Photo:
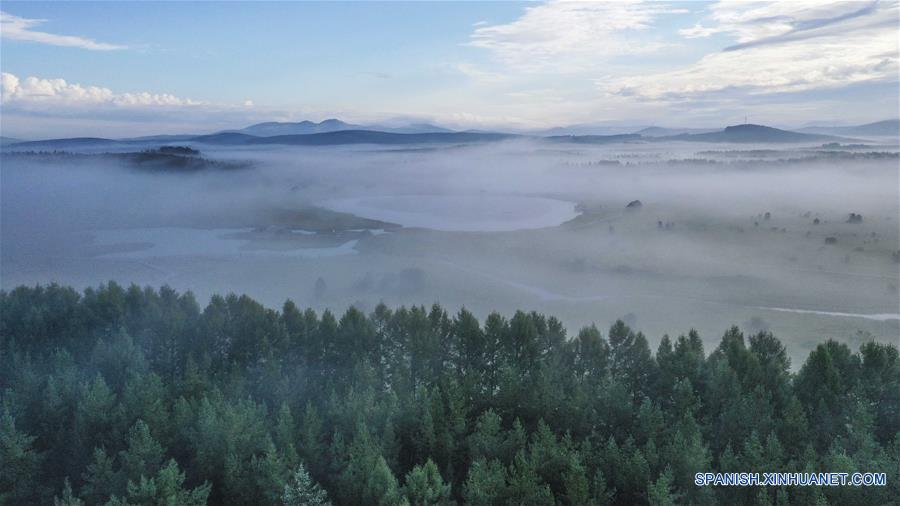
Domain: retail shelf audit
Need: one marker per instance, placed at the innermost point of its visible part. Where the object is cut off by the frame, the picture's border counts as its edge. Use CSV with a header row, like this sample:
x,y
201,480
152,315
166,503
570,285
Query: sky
x,y
118,69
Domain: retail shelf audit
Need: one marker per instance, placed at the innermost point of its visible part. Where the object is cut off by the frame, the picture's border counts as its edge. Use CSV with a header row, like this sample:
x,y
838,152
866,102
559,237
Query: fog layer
x,y
761,237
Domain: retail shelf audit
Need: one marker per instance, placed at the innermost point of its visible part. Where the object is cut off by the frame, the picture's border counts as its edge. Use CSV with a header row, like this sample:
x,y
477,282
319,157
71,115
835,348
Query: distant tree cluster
x,y
163,159
138,396
177,150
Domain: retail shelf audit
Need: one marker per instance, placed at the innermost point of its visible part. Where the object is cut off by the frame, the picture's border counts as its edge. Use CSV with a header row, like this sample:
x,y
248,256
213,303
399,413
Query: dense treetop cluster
x,y
140,396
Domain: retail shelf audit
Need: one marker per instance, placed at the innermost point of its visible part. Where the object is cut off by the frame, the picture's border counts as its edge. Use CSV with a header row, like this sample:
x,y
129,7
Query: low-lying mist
x,y
670,236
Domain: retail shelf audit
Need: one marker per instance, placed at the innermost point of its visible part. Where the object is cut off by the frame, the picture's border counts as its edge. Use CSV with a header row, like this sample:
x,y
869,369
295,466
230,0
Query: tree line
x,y
137,396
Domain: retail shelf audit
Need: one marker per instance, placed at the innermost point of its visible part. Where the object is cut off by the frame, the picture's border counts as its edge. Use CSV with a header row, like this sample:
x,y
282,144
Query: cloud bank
x,y
565,35
34,92
782,47
17,28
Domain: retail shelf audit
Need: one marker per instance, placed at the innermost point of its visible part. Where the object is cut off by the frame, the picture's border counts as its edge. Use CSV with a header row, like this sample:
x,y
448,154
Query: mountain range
x,y
754,133
885,128
352,137
276,128
337,132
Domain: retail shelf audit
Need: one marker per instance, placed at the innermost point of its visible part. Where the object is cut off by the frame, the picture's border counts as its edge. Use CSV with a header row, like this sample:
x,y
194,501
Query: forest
x,y
140,396
172,159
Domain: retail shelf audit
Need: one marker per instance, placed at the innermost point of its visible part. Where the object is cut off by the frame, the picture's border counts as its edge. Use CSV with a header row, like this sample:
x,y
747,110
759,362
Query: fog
x,y
747,235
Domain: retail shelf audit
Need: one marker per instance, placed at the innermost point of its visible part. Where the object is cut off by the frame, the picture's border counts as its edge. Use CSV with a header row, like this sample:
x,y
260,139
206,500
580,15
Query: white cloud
x,y
755,21
39,108
606,60
571,35
539,69
781,47
699,31
16,28
37,93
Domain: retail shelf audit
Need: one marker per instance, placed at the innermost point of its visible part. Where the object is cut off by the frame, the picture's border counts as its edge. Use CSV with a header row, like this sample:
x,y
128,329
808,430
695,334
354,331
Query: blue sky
x,y
119,68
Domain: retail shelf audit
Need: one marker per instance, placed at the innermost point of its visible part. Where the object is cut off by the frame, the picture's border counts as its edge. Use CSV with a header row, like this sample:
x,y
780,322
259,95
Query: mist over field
x,y
754,235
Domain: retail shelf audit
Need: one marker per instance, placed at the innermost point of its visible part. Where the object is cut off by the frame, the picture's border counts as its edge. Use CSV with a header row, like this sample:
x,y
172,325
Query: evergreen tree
x,y
660,492
68,497
101,479
301,490
486,483
166,488
19,464
423,486
144,454
102,393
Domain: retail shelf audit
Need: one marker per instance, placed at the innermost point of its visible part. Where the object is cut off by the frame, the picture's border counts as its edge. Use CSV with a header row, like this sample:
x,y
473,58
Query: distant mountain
x,y
4,141
413,135
415,128
71,143
341,137
226,138
594,139
161,138
587,129
754,133
656,131
274,128
352,137
884,128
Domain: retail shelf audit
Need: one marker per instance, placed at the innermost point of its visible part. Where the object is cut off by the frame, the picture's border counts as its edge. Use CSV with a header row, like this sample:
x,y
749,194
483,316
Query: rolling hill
x,y
884,128
748,133
272,128
595,139
275,128
352,137
656,131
